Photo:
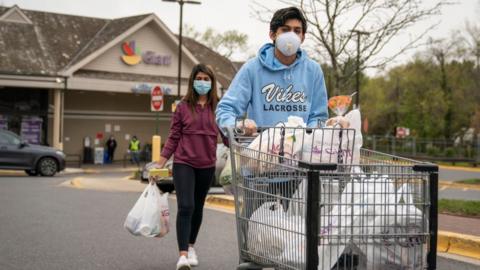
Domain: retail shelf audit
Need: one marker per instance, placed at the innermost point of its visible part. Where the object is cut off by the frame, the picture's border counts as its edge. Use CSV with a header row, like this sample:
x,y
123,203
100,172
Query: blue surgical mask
x,y
202,87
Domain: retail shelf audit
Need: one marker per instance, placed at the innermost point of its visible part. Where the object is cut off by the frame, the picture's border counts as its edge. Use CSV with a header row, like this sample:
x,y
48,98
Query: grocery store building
x,y
65,78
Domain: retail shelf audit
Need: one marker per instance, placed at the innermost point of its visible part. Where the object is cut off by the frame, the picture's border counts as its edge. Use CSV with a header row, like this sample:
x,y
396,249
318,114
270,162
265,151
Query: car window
x,y
6,138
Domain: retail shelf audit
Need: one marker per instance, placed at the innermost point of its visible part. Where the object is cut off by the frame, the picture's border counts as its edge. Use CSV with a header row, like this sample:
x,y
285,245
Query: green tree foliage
x,y
436,95
226,43
412,95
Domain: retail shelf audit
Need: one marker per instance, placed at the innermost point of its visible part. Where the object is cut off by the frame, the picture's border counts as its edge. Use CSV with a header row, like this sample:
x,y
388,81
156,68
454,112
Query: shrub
x,y
450,152
433,151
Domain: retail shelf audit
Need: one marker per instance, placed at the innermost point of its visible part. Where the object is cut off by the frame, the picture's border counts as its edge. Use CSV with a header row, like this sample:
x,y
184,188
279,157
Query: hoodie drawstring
x,y
287,74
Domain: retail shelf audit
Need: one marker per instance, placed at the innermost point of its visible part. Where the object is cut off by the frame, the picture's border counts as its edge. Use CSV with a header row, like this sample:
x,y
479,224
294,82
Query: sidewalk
x,y
459,235
85,169
458,224
100,168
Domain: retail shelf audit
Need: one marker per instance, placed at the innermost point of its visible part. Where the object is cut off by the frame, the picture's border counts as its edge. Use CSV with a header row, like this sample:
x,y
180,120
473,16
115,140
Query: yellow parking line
x,y
451,184
76,182
128,177
456,168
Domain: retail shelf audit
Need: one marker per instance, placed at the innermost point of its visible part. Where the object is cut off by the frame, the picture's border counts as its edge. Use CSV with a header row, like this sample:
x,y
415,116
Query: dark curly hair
x,y
282,15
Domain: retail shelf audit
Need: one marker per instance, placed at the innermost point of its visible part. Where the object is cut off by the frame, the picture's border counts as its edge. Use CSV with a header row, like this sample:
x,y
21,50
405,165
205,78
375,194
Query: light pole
x,y
357,72
181,2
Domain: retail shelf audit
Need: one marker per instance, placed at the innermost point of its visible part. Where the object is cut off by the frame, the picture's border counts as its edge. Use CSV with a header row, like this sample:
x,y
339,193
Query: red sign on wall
x,y
156,99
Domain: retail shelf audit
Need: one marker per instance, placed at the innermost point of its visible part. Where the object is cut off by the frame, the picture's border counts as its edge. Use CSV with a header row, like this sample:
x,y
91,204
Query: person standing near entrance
x,y
111,145
134,148
193,142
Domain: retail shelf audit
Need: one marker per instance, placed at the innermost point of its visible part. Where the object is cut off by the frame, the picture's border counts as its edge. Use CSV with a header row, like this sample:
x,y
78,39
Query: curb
x,y
12,173
96,171
460,244
224,202
221,200
122,184
447,242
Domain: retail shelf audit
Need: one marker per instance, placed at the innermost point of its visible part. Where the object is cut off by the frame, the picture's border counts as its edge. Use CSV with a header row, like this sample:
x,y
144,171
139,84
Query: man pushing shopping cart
x,y
306,195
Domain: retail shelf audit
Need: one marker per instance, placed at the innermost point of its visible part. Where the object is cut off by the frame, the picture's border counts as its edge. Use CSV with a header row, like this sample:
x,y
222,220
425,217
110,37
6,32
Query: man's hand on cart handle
x,y
342,121
248,126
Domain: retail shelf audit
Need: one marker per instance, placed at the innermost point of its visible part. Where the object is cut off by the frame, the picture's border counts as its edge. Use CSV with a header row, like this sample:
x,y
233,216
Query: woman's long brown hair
x,y
191,98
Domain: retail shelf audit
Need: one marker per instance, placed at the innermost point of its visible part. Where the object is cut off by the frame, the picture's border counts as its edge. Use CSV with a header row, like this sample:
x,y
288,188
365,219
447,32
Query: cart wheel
x,y
249,266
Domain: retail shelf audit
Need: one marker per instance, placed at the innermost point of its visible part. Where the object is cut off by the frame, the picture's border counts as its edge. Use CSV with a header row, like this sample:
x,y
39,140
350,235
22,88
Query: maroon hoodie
x,y
192,138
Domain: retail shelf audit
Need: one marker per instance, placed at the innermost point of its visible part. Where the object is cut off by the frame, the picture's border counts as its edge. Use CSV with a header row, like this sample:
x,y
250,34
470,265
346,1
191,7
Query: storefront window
x,y
24,112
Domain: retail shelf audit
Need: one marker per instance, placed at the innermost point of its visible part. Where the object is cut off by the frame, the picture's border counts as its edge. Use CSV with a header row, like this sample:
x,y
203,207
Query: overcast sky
x,y
225,15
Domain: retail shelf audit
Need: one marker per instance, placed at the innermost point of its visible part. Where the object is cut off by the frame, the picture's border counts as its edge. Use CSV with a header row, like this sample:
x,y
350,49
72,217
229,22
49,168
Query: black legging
x,y
191,185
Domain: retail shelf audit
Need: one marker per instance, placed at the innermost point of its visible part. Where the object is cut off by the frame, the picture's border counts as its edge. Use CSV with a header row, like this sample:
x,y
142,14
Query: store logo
x,y
131,54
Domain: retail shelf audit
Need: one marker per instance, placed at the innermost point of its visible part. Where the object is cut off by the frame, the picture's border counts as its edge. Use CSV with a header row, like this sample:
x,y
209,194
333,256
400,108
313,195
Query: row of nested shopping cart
x,y
311,198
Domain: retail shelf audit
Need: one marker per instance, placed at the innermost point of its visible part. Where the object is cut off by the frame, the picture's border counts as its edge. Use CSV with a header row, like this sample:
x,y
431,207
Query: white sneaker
x,y
183,264
192,257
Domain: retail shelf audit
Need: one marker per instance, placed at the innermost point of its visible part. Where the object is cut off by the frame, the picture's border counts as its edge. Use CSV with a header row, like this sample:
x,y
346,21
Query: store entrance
x,y
25,112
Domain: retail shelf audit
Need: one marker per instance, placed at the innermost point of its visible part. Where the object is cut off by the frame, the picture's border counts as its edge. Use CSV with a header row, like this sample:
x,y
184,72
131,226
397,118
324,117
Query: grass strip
x,y
473,181
459,207
455,164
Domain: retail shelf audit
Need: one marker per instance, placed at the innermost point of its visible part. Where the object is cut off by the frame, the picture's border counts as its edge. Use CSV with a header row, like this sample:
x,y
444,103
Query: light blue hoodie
x,y
270,92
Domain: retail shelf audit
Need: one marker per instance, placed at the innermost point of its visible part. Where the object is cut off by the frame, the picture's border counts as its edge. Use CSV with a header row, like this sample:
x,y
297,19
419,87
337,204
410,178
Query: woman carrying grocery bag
x,y
192,141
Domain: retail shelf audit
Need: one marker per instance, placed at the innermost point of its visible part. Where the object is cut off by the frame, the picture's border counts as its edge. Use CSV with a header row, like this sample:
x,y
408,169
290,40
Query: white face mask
x,y
288,43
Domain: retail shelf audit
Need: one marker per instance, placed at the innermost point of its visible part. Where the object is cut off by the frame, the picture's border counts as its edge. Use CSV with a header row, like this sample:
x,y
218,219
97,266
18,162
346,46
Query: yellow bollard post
x,y
156,144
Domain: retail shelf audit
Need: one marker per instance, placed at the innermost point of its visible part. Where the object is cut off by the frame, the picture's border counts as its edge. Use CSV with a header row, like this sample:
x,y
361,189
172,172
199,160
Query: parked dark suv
x,y
15,154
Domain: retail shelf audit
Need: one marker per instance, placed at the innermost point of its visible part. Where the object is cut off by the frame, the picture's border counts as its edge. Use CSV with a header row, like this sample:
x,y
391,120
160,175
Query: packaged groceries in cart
x,y
311,198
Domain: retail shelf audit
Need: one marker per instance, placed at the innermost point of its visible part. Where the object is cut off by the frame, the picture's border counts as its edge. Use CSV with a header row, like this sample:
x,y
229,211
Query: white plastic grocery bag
x,y
275,234
269,141
325,145
401,217
150,214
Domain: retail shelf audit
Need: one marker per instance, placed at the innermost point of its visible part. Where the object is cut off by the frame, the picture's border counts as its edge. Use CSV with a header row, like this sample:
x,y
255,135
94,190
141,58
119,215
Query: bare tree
x,y
334,24
442,51
472,40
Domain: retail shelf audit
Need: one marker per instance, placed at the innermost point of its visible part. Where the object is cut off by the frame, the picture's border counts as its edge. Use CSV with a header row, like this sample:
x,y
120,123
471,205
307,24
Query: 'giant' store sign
x,y
133,56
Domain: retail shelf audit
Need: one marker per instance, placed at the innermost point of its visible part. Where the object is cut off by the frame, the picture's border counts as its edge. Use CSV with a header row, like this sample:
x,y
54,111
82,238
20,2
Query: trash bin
x,y
105,157
87,151
87,155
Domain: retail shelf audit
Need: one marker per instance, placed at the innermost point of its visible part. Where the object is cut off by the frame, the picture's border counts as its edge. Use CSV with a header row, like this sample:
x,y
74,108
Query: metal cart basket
x,y
309,198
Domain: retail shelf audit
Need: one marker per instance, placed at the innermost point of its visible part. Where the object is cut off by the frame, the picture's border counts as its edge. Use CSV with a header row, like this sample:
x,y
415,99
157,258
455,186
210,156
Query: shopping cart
x,y
310,199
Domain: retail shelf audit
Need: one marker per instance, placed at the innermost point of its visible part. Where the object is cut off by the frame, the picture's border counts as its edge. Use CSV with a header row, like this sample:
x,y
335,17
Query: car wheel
x,y
31,172
47,166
